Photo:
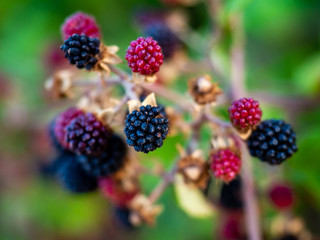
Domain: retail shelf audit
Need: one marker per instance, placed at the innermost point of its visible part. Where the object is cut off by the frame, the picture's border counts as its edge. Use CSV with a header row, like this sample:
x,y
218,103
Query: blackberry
x,y
81,50
281,196
244,113
122,218
273,141
80,23
288,237
60,123
144,56
114,190
230,195
225,164
86,135
145,130
164,36
73,177
110,160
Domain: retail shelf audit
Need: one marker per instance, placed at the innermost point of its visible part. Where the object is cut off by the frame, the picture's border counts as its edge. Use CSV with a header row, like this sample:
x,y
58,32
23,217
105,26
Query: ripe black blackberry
x,y
86,135
230,195
81,50
73,177
110,160
122,218
145,130
164,36
273,141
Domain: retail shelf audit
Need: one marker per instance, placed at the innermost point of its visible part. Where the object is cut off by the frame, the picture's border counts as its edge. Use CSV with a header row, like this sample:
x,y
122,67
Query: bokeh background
x,y
282,69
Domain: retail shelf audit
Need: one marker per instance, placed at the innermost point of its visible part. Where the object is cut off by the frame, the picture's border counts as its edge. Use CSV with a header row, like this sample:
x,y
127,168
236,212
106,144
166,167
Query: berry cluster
x,y
144,56
145,130
164,36
82,24
245,113
225,165
81,50
273,141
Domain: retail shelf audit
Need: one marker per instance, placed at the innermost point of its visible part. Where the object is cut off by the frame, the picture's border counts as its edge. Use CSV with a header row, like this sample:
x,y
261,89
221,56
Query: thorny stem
x,y
238,91
167,179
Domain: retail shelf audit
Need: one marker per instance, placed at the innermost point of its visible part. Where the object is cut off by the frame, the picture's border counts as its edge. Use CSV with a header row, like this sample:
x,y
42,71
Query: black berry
x,y
86,135
273,141
145,130
73,177
110,160
164,36
81,50
122,218
230,195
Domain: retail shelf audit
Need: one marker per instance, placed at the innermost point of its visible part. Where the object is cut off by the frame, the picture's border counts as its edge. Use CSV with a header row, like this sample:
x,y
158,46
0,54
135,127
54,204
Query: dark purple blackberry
x,y
81,50
73,177
86,135
273,141
288,237
110,160
53,139
122,218
145,130
164,36
230,195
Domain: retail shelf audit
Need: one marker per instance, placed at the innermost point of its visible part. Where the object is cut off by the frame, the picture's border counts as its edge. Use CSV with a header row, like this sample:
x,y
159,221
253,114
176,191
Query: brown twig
x,y
238,90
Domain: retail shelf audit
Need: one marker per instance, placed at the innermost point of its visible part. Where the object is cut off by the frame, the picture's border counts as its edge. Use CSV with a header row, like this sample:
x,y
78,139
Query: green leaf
x,y
192,200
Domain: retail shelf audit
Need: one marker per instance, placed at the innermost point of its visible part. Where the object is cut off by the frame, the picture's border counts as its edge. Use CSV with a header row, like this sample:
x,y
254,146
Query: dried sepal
x,y
244,134
194,169
60,84
227,141
136,104
203,90
139,78
108,55
143,210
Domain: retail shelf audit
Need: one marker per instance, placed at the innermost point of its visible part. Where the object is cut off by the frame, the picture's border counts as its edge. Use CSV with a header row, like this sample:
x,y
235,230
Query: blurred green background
x,y
282,61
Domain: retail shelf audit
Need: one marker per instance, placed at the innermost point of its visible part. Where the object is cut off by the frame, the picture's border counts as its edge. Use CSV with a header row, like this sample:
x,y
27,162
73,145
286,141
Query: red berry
x,y
62,121
225,165
245,113
231,229
80,23
115,192
144,56
281,196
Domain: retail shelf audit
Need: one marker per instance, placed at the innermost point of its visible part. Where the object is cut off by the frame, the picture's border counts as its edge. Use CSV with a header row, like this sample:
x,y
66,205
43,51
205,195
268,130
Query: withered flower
x,y
107,56
194,169
203,90
143,210
60,84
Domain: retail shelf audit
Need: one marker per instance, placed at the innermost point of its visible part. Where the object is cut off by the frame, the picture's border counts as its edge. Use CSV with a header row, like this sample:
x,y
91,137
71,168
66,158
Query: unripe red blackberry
x,y
80,23
225,165
273,141
71,175
144,56
231,229
281,196
164,36
145,130
113,191
109,161
244,113
60,123
81,50
86,135
231,195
